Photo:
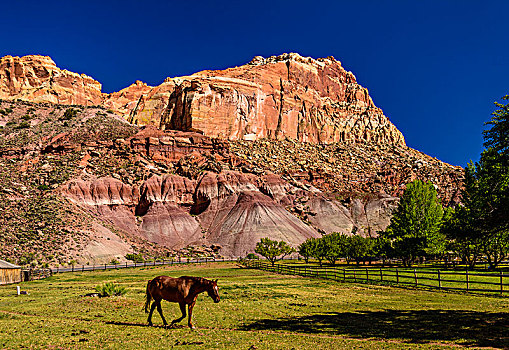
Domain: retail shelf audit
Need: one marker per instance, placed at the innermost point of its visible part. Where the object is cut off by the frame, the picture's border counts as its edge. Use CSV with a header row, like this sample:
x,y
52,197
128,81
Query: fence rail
x,y
444,280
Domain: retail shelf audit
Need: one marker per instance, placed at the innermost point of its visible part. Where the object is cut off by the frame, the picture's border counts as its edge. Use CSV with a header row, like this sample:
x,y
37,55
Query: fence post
x,y
397,276
105,267
415,277
501,282
367,275
72,268
82,268
354,275
467,279
126,264
93,267
344,275
439,281
381,275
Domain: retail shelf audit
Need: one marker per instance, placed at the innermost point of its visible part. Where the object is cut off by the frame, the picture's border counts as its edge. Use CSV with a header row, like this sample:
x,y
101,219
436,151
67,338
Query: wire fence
x,y
468,281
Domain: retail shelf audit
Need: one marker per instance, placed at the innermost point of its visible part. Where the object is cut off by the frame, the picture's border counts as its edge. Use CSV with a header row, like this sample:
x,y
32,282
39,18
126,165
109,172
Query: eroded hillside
x,y
80,183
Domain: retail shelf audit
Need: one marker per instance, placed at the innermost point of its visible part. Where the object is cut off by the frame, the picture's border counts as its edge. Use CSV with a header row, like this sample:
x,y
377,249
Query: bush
x,y
22,125
110,289
135,257
69,114
251,256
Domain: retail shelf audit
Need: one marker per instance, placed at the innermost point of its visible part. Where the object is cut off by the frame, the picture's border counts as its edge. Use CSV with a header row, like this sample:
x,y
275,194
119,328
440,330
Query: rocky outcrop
x,y
38,79
286,96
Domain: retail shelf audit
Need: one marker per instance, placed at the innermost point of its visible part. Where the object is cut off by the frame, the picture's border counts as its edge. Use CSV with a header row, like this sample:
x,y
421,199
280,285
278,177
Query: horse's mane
x,y
200,280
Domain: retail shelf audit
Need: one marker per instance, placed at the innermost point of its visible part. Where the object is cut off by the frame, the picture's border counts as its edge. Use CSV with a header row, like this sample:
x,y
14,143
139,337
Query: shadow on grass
x,y
134,324
457,326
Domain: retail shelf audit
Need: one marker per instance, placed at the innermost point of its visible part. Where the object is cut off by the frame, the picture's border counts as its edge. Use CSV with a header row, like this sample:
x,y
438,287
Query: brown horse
x,y
183,290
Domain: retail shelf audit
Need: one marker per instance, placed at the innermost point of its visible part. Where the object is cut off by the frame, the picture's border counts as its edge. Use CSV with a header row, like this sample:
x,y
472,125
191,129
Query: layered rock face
x,y
286,96
37,78
279,97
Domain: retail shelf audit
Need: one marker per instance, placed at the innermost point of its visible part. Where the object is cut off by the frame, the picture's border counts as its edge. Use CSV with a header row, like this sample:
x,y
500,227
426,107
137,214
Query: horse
x,y
183,290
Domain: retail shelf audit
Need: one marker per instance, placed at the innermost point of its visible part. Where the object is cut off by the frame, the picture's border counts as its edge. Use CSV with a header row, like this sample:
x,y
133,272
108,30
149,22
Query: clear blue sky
x,y
434,67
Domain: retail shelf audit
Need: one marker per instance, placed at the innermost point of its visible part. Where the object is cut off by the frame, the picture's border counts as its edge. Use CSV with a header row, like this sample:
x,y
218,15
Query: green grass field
x,y
258,310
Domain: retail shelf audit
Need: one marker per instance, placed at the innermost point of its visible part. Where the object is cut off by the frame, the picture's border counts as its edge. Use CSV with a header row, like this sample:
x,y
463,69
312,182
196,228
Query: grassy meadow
x,y
258,310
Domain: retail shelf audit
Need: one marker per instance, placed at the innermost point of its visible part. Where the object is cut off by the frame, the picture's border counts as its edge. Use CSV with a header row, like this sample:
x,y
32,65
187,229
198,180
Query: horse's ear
x,y
216,280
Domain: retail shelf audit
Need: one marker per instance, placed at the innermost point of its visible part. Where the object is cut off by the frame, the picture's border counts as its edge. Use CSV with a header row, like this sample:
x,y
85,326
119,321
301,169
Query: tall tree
x,y
493,168
481,223
415,226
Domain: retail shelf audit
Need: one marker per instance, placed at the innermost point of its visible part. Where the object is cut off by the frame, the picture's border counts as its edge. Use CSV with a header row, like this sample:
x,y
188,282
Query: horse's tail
x,y
148,297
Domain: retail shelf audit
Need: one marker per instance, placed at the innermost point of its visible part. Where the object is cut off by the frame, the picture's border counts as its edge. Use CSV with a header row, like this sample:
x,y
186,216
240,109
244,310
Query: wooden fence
x,y
444,280
175,261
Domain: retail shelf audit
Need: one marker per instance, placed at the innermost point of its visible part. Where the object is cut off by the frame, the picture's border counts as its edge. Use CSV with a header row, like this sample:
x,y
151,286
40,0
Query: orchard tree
x,y
273,250
415,226
334,245
307,248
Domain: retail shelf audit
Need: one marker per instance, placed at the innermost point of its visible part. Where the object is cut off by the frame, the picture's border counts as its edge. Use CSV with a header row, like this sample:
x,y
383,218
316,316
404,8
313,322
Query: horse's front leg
x,y
191,313
183,310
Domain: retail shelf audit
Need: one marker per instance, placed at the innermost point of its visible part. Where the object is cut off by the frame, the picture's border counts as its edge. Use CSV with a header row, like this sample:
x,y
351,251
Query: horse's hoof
x,y
191,326
150,324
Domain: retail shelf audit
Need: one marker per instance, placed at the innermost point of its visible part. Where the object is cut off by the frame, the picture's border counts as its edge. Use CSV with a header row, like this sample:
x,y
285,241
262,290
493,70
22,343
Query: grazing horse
x,y
183,290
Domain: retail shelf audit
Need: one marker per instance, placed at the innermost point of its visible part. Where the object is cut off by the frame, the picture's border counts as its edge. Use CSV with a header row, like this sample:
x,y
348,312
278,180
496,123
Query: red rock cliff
x,y
312,100
307,99
37,78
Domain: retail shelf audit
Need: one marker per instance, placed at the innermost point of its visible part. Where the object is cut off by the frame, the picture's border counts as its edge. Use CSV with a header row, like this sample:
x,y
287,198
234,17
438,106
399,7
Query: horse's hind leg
x,y
183,309
150,313
190,324
160,310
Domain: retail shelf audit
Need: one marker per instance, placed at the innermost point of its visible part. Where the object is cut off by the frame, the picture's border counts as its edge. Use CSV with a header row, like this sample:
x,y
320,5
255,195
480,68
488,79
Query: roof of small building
x,y
8,265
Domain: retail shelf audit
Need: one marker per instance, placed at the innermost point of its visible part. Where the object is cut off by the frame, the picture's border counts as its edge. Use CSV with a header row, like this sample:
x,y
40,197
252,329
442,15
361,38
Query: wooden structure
x,y
9,273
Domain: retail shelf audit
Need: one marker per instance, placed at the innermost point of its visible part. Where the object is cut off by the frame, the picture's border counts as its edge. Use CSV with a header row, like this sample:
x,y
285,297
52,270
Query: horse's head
x,y
212,291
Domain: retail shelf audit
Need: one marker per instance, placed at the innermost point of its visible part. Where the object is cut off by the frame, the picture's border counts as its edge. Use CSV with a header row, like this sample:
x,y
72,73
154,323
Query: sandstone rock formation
x,y
37,78
286,96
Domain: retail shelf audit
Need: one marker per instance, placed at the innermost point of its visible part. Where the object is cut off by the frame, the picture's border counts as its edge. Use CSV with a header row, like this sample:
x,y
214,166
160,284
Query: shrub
x,y
22,125
135,257
69,114
43,187
110,289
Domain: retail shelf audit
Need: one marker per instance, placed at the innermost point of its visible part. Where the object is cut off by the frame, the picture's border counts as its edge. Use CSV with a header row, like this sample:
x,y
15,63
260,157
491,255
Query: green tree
x,y
465,238
415,226
334,246
273,250
307,248
358,248
320,251
493,171
481,223
382,247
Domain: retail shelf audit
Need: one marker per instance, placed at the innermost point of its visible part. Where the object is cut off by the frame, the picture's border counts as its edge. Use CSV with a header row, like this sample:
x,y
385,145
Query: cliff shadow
x,y
468,328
